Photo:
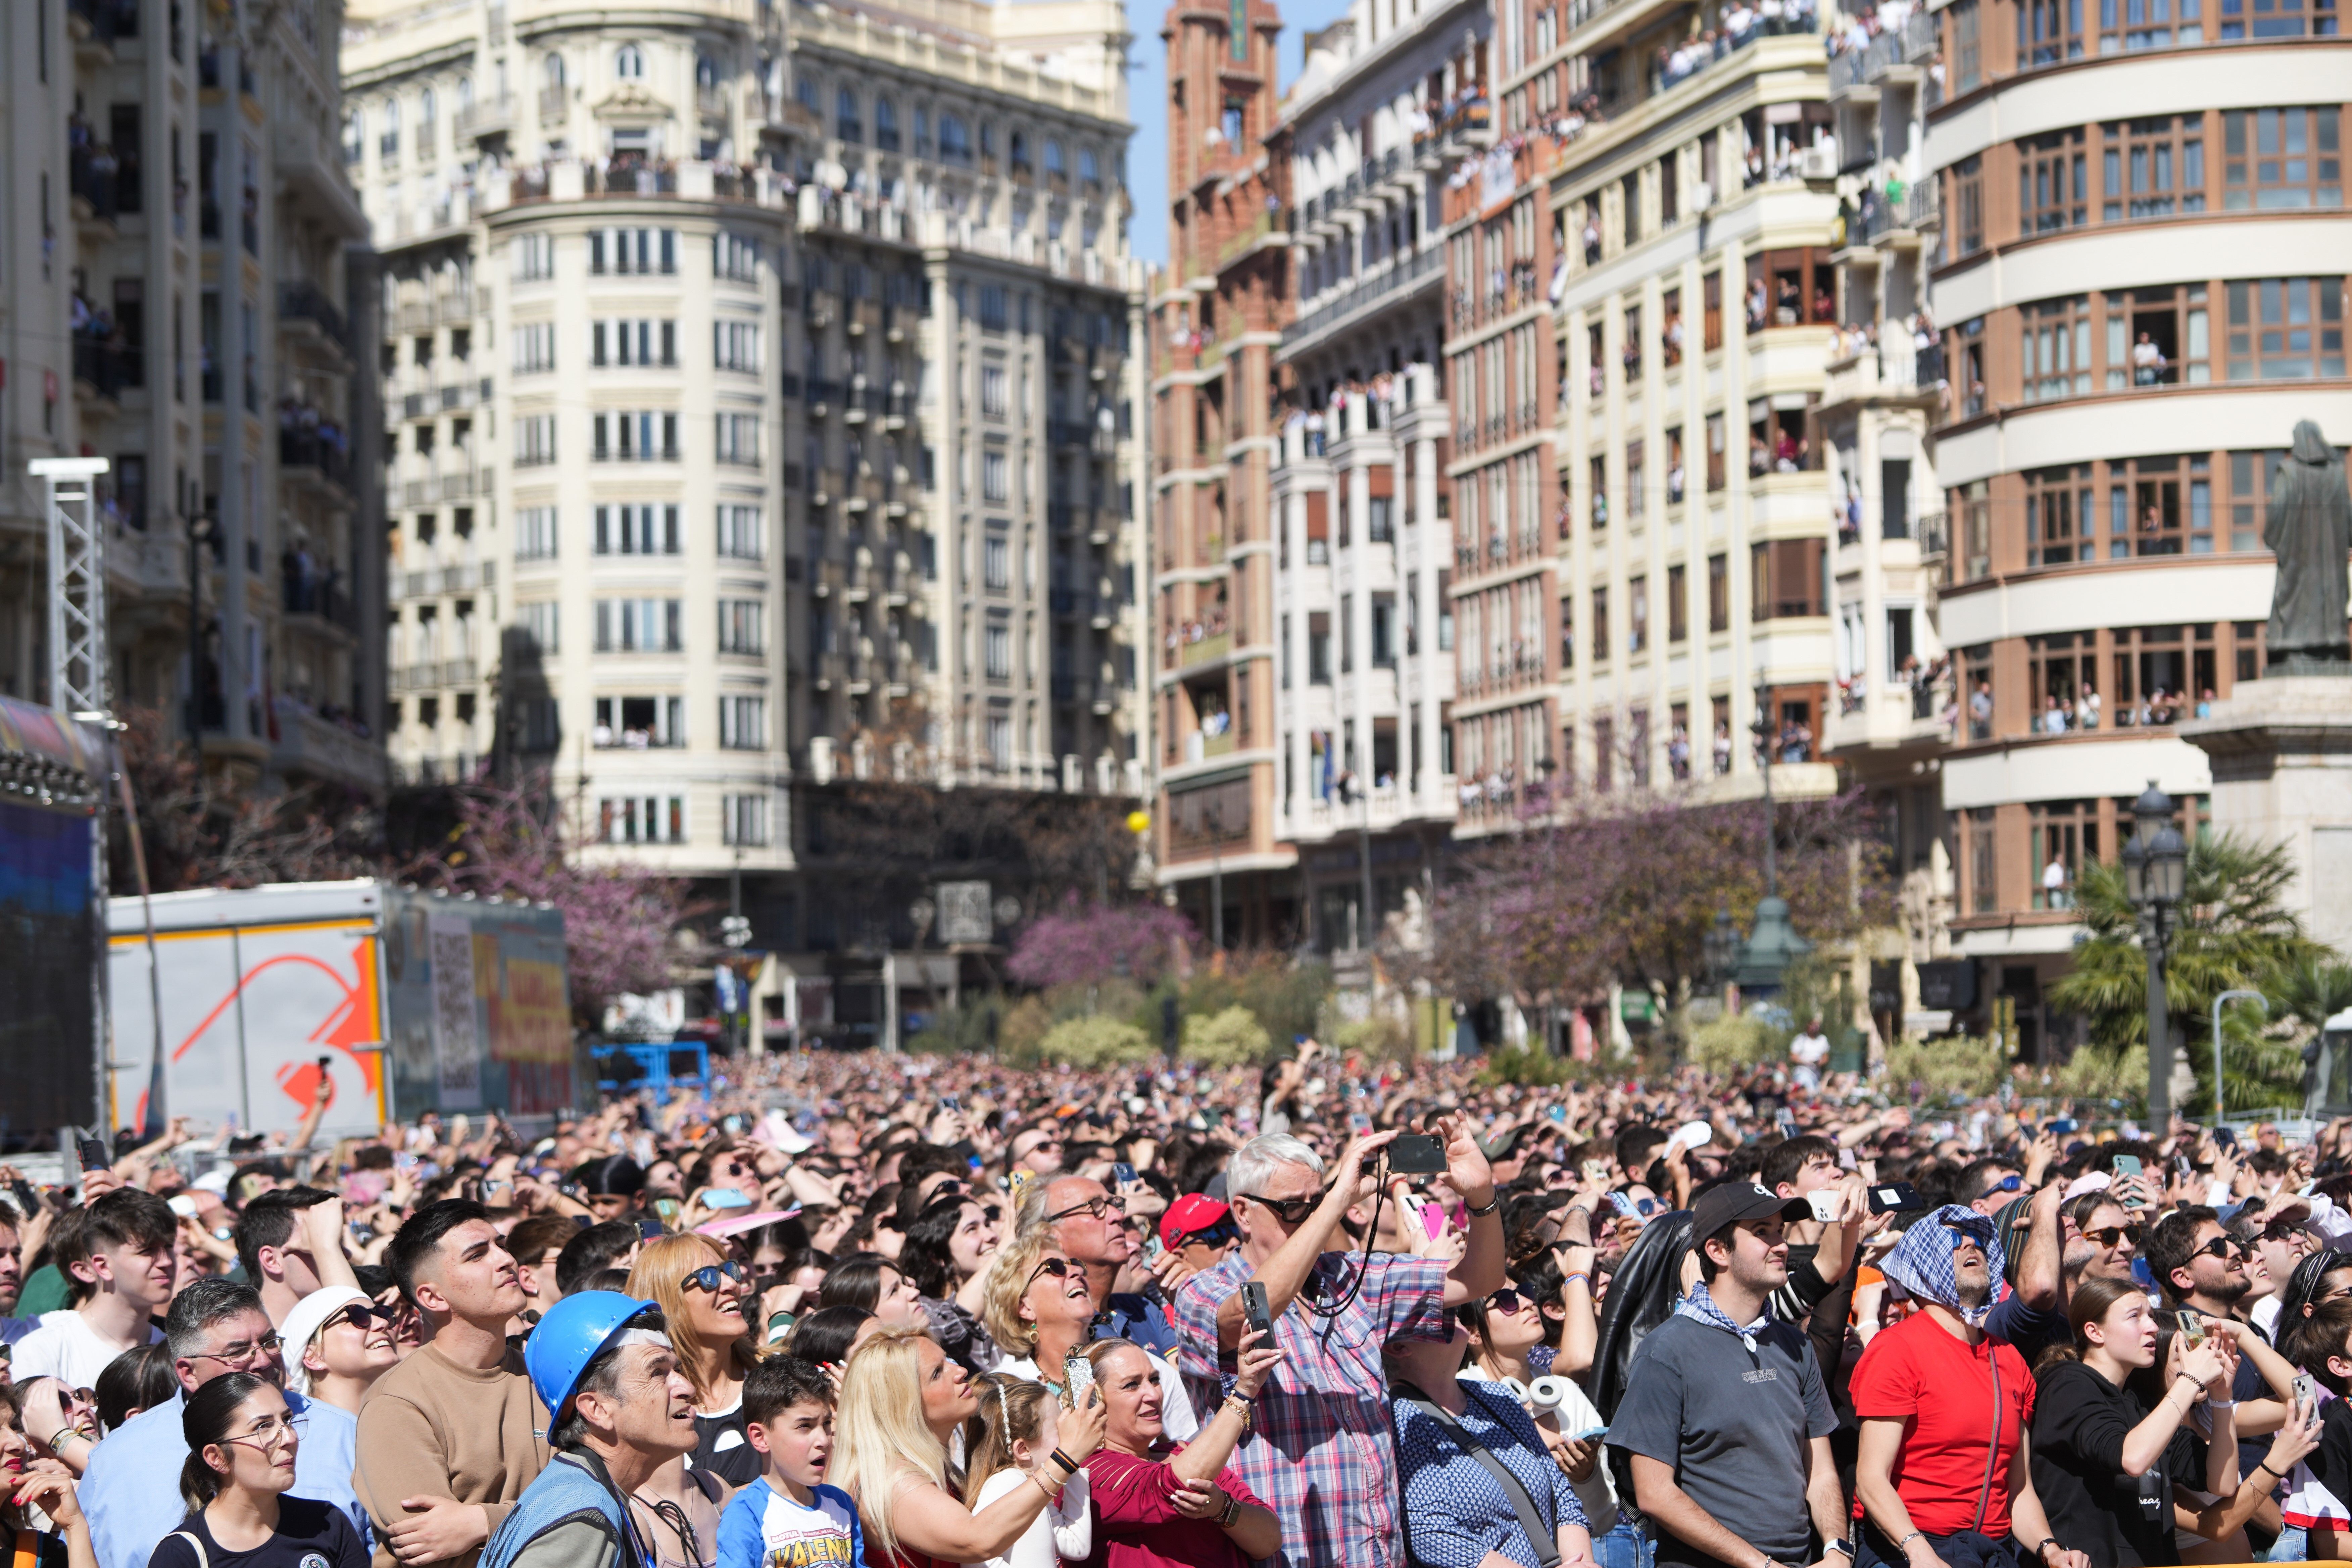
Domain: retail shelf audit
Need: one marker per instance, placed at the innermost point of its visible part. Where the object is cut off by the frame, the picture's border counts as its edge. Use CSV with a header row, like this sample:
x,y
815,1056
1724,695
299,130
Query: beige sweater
x,y
431,1428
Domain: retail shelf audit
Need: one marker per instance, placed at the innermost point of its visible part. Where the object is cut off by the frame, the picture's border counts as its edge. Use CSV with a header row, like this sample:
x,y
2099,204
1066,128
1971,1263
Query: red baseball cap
x,y
1189,1216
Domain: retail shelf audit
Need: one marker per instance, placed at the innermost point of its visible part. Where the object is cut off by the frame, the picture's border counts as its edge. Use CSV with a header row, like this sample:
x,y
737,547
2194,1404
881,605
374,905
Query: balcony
x,y
1207,649
487,117
554,102
309,594
317,452
103,370
1424,269
304,305
310,745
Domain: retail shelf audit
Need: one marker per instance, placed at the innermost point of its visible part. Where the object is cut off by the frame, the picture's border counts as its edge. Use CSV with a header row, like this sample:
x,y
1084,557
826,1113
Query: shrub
x,y
1734,1044
1379,1037
1533,1067
1962,1067
1232,1039
1095,1041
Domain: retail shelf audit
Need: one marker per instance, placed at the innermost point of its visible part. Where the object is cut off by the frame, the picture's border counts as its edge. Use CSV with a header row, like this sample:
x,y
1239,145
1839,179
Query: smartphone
x,y
1895,1197
1359,1123
2304,1392
1416,1154
1596,1170
92,1153
1559,1113
723,1198
668,1210
1786,1121
1122,1172
1826,1205
2063,1126
951,1102
181,1203
1077,1376
2130,1165
1432,1219
1257,1310
651,1229
2192,1327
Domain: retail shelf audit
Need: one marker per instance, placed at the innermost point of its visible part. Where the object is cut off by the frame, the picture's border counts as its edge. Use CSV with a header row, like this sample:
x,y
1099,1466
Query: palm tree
x,y
2233,931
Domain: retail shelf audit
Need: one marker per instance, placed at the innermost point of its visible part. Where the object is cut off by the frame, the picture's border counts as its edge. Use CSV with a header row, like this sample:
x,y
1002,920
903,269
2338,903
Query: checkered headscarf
x,y
1922,1261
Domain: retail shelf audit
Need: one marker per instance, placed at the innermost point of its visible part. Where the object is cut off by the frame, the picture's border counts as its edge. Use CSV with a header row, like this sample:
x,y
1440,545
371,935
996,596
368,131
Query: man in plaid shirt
x,y
1320,1450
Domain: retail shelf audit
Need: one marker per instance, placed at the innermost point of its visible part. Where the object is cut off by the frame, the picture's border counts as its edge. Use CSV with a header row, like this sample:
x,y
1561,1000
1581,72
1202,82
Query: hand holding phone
x,y
92,1152
1257,1310
1416,1155
2127,1166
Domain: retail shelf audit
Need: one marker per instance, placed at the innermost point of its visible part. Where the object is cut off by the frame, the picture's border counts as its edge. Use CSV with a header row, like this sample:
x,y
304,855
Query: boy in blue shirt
x,y
790,1518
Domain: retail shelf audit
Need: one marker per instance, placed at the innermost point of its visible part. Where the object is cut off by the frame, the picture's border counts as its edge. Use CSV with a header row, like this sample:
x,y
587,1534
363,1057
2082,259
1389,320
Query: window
x,y
2064,833
2053,181
643,530
629,63
2281,158
743,819
1637,614
739,439
1053,157
2055,349
1711,288
1600,649
641,342
1719,593
742,626
846,124
735,345
2059,517
2160,671
991,307
734,257
992,467
2249,475
535,534
1088,170
743,532
886,125
992,391
743,723
534,439
955,141
1677,605
642,819
540,620
1785,579
999,651
2150,168
1968,46
637,625
999,742
643,436
2286,329
1318,647
638,724
1964,201
631,252
2049,31
996,564
2277,18
533,257
534,347
2161,506
387,144
1567,633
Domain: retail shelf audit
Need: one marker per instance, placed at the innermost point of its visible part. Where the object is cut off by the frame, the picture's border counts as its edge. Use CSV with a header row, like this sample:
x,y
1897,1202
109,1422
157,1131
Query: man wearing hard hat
x,y
618,1410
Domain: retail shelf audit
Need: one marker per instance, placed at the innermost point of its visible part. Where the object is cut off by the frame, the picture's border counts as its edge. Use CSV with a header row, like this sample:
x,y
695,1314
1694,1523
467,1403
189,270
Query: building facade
x,y
2140,282
765,418
178,299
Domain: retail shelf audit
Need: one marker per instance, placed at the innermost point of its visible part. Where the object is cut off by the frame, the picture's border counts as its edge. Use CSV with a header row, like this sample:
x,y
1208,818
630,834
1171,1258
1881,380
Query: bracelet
x,y
1232,1511
2220,1405
65,1433
1493,1203
1906,1541
1587,1278
2042,1551
2264,1466
1051,1492
1067,1463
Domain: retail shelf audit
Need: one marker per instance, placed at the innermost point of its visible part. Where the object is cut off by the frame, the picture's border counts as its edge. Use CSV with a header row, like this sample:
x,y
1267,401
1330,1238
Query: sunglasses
x,y
2007,1184
1507,1300
2220,1247
361,1317
1059,1268
2107,1236
1094,1207
707,1277
1221,1234
1289,1211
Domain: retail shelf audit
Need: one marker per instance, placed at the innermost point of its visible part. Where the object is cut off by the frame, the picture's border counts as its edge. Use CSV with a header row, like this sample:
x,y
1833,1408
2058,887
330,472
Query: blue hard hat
x,y
574,1332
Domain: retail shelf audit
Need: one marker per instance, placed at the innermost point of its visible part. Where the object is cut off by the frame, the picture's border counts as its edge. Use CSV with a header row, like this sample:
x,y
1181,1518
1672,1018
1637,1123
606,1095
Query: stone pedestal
x,y
2282,759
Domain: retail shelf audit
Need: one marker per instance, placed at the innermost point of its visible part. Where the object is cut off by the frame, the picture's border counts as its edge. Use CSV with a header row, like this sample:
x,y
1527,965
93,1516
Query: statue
x,y
2309,528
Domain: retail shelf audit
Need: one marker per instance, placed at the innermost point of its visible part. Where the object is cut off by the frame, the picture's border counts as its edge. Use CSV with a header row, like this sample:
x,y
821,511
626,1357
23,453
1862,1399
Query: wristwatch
x,y
1233,1511
1842,1548
1494,1201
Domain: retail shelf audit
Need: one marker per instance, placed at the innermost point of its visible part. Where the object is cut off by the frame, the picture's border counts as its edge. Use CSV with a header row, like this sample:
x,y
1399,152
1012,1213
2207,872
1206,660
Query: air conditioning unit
x,y
1817,164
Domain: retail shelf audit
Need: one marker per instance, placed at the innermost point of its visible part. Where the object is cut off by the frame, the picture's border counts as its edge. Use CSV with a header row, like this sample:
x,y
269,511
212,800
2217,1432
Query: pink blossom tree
x,y
1078,945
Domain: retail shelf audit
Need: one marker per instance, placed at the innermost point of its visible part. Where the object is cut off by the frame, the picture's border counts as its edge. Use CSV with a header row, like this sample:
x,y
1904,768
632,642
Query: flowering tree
x,y
195,831
617,917
1081,945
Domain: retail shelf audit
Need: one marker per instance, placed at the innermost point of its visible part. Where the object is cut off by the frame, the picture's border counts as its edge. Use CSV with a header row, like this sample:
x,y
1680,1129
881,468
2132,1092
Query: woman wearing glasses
x,y
1041,1314
949,1248
702,1295
337,1343
241,1447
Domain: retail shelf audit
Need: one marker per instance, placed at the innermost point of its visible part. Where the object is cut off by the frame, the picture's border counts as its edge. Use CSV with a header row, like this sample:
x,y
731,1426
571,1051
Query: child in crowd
x,y
1015,1431
789,1517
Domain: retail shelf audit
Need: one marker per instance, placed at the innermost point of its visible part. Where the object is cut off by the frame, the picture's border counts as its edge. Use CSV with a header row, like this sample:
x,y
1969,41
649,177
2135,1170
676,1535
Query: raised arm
x,y
1284,1273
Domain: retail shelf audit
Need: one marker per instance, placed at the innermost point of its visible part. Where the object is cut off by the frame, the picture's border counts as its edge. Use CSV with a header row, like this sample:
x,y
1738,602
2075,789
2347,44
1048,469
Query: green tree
x,y
1096,1041
2233,931
1233,1037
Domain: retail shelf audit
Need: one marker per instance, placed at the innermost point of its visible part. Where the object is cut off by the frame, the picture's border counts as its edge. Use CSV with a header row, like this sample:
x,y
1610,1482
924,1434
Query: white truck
x,y
407,1002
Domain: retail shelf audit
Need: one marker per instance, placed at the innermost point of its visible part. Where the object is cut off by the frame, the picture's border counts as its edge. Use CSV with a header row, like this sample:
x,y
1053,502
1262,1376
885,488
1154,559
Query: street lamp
x,y
2156,873
1720,948
1773,945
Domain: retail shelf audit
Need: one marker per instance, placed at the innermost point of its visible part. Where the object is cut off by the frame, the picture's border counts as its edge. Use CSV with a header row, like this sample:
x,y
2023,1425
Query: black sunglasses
x,y
362,1317
1059,1268
2220,1247
2107,1236
707,1277
1217,1235
1289,1211
1506,1300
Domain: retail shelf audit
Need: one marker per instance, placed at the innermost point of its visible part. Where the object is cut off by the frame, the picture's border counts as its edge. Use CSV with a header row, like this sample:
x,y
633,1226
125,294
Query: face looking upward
x,y
471,1275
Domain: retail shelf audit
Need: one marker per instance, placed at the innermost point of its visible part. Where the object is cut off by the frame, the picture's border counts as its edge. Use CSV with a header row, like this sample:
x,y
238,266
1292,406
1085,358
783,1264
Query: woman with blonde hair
x,y
1040,1314
901,1400
702,1294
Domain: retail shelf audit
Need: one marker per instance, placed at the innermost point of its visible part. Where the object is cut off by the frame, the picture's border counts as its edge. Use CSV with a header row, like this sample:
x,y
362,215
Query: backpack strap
x,y
203,1558
1544,1539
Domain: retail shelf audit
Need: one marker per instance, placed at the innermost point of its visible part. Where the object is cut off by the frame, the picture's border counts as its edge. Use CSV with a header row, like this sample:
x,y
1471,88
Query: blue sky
x,y
1147,85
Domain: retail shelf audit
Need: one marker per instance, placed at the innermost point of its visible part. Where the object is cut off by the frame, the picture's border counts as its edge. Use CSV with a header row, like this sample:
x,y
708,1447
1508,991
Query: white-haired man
x,y
1321,1452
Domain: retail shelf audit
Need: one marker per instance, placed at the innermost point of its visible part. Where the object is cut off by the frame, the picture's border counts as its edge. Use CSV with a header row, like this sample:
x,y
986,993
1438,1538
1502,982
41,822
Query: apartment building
x,y
1694,294
1388,102
176,299
2140,283
764,417
1217,315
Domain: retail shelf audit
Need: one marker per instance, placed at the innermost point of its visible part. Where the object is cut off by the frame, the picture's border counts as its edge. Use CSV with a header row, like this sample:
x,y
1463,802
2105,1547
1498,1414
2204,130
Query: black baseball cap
x,y
1730,1202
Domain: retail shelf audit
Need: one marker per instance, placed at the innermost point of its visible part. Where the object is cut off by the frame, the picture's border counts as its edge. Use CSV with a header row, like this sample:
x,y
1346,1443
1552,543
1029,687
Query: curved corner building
x,y
2140,286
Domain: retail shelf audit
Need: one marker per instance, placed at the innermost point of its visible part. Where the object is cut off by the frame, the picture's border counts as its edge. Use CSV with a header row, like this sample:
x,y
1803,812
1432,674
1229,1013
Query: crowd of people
x,y
900,1311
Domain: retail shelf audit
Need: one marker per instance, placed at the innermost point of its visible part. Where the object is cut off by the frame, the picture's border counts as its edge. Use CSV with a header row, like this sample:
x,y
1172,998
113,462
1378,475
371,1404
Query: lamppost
x,y
1773,945
201,527
2156,869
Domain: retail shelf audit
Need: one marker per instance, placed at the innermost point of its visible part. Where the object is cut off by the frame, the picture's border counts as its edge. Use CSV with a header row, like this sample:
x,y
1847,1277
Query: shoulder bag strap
x,y
1540,1536
203,1558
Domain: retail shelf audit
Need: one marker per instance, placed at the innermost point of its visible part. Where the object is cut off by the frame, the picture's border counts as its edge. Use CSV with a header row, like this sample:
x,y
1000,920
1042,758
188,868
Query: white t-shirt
x,y
66,1348
1065,1529
1809,1050
1176,1416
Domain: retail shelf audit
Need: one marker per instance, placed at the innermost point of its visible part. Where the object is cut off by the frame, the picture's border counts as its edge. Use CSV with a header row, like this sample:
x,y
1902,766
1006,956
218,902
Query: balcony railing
x,y
305,301
486,116
309,450
1423,265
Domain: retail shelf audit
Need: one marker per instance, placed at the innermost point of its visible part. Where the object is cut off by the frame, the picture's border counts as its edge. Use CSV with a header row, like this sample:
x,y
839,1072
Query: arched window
x,y
551,72
955,142
987,140
465,93
845,124
425,107
1054,157
706,71
387,144
354,137
629,63
886,125
1020,145
1088,170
